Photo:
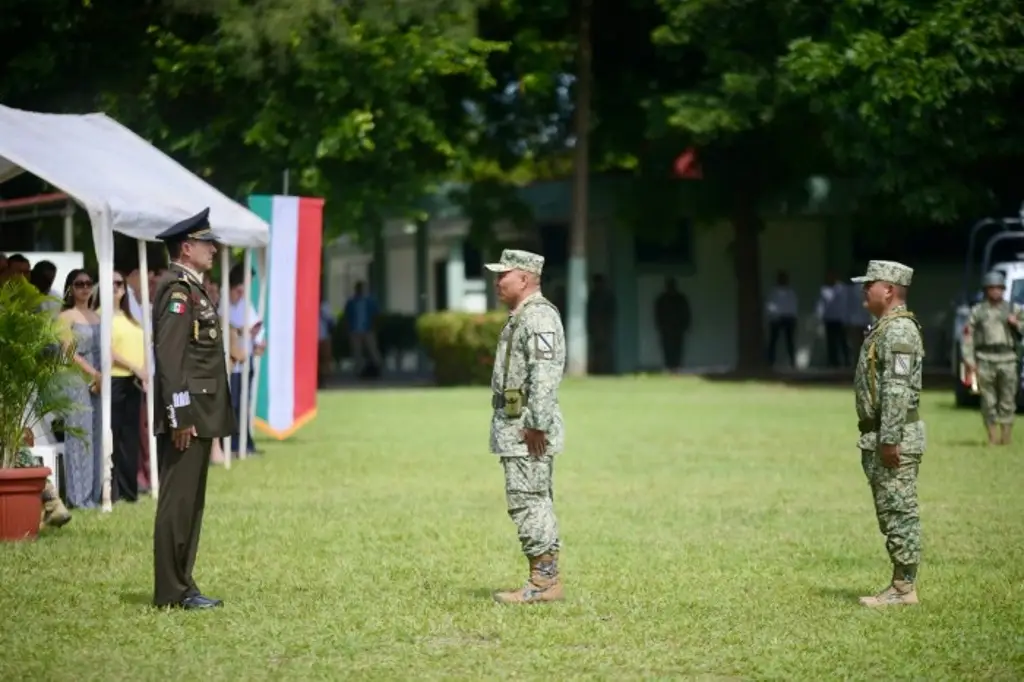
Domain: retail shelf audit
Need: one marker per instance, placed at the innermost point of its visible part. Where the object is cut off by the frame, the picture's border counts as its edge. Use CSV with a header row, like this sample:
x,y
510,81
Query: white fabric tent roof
x,y
110,170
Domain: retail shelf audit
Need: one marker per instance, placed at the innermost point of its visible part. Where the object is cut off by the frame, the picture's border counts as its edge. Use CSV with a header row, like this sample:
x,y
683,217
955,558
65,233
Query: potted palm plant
x,y
35,368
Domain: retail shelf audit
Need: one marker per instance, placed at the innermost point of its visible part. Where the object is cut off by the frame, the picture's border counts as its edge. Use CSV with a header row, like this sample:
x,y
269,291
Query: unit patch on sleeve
x,y
901,363
544,345
176,308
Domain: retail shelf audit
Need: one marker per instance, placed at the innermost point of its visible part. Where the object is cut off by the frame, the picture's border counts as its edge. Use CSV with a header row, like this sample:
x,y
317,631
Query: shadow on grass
x,y
933,380
136,598
482,593
842,594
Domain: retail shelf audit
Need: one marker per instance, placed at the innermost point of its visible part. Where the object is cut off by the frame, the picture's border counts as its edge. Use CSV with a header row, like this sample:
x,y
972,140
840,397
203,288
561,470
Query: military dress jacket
x,y
530,356
887,384
191,379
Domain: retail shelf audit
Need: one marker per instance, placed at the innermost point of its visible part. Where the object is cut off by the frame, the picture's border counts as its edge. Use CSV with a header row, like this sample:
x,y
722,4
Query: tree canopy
x,y
919,101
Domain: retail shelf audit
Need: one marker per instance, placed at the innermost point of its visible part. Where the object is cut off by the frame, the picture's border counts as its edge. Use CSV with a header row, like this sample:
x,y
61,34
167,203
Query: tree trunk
x,y
746,253
576,289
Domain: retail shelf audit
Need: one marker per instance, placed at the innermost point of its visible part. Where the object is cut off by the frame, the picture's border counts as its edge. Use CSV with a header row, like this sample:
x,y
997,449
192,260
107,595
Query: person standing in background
x,y
42,276
361,313
83,454
857,317
672,319
782,309
991,343
238,312
600,326
325,351
128,382
832,311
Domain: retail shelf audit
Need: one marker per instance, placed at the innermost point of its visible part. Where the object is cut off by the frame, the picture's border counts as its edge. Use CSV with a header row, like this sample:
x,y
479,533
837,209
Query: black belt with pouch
x,y
869,425
511,400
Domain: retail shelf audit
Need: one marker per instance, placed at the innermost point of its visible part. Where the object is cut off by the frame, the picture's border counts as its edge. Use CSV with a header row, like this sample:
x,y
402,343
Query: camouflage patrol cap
x,y
993,279
886,271
514,259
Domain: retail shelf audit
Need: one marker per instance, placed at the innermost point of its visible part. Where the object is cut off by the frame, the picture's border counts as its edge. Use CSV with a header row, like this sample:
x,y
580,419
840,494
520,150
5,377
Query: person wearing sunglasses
x,y
83,453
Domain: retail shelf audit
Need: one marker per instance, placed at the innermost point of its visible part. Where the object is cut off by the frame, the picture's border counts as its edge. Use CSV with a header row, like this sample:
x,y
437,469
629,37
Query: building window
x,y
672,246
554,244
472,261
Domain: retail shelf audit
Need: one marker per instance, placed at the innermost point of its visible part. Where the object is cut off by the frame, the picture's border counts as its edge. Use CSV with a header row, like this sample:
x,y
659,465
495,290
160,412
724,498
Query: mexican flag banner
x,y
287,379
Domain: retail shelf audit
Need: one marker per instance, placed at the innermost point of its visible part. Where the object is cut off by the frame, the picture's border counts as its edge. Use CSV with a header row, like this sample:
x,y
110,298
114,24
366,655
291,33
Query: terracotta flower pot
x,y
21,502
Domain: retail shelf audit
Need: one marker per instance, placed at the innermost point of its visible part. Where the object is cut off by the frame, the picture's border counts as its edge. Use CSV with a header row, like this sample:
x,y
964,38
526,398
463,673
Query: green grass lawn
x,y
710,532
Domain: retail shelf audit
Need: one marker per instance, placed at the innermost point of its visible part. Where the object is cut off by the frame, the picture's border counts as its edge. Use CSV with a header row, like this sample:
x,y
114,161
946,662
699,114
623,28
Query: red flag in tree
x,y
687,165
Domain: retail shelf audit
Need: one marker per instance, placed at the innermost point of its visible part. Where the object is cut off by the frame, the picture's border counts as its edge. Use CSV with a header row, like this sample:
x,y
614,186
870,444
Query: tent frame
x,y
101,216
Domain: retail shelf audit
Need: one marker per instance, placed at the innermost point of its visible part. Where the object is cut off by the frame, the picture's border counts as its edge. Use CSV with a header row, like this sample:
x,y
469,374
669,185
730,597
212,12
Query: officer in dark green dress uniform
x,y
193,406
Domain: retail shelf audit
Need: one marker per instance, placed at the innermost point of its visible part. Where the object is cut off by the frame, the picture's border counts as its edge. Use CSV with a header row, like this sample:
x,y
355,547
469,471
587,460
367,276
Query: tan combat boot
x,y
993,434
544,585
55,514
901,592
1007,434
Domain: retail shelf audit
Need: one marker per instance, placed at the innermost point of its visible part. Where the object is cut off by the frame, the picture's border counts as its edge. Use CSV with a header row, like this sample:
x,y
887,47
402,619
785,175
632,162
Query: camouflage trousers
x,y
895,496
997,387
529,494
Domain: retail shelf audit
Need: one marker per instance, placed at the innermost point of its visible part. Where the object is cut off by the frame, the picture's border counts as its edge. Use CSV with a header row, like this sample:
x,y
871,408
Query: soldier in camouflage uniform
x,y
887,384
526,425
989,349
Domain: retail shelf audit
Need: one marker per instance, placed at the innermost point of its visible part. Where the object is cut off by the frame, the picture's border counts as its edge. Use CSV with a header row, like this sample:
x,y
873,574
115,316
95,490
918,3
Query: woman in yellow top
x,y
129,379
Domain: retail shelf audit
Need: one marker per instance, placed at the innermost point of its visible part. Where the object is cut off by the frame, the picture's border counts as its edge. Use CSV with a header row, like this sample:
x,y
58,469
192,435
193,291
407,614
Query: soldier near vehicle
x,y
990,350
526,424
887,385
193,407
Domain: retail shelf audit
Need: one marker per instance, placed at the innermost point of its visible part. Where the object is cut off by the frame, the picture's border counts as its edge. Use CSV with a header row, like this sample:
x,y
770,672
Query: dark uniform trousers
x,y
179,516
192,386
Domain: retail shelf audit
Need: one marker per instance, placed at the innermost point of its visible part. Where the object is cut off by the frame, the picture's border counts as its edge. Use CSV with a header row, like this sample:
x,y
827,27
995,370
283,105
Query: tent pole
x,y
225,295
147,335
69,227
243,409
106,277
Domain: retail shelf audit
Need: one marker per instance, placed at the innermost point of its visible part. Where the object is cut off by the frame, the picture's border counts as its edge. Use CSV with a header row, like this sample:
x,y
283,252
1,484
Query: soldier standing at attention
x,y
526,426
193,408
887,384
990,341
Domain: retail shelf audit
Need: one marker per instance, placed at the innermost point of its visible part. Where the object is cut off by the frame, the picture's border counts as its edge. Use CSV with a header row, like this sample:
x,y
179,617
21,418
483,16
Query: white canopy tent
x,y
128,186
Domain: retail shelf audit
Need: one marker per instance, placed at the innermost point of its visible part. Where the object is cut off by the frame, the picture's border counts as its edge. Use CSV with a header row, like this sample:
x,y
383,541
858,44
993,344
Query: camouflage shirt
x,y
536,364
887,383
988,335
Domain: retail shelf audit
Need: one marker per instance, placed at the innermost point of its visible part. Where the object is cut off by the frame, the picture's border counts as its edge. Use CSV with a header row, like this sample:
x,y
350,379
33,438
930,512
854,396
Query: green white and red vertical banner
x,y
287,380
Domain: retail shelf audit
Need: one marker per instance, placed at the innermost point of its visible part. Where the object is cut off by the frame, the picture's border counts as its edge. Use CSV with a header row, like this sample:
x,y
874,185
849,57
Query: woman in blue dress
x,y
83,453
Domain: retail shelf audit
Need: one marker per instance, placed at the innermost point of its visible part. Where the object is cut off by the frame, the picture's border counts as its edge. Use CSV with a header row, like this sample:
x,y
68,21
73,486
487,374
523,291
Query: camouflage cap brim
x,y
498,267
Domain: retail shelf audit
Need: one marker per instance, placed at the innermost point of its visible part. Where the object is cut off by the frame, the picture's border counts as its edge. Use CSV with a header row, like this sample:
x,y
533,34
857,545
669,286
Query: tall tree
x,y
921,100
577,279
755,143
363,102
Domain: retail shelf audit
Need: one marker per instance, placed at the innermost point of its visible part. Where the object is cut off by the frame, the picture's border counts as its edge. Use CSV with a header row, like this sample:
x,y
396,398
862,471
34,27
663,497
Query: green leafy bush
x,y
461,345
